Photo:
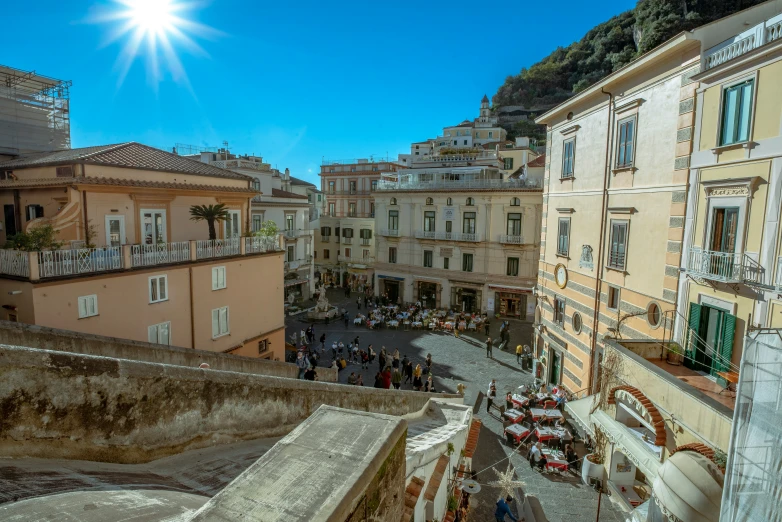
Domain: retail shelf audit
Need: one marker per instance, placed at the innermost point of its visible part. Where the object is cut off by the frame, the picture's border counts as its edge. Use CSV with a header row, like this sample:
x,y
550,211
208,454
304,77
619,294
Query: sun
x,y
154,30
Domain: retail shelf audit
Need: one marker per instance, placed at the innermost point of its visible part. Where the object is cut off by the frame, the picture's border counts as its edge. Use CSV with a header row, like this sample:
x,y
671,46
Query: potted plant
x,y
675,354
593,465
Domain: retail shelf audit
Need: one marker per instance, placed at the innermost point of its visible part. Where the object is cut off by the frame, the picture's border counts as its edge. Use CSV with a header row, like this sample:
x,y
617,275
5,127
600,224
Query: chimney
x,y
287,173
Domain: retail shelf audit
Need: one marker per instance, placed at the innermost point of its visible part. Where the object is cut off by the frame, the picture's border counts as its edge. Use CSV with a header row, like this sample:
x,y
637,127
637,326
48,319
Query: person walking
x,y
395,361
382,358
302,364
322,343
417,382
503,509
518,354
408,372
387,378
486,326
358,302
352,379
490,399
347,320
428,362
372,354
378,380
488,348
396,378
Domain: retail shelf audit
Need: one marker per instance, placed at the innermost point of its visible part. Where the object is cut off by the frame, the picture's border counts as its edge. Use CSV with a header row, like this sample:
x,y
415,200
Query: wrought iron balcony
x,y
511,239
725,267
446,236
360,260
391,232
366,241
347,240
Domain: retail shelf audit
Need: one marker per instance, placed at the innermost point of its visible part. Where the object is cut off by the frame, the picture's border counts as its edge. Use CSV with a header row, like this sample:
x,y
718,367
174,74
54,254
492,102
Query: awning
x,y
689,488
511,289
579,413
392,278
295,282
633,447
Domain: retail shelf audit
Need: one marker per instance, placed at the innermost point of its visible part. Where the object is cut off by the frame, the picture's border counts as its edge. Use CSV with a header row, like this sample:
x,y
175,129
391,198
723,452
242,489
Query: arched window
x,y
449,201
470,202
515,202
393,201
429,201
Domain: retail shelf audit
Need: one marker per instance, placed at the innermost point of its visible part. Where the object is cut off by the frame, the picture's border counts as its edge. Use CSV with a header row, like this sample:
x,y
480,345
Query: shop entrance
x,y
556,364
511,305
391,288
427,294
466,300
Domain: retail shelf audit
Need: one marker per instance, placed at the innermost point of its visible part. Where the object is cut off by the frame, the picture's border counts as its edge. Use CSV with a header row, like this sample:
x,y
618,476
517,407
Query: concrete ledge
x,y
21,334
64,405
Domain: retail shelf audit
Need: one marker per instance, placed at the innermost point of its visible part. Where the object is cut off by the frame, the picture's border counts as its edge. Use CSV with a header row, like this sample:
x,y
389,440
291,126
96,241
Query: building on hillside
x,y
613,206
513,156
34,113
458,237
134,265
286,201
345,234
732,258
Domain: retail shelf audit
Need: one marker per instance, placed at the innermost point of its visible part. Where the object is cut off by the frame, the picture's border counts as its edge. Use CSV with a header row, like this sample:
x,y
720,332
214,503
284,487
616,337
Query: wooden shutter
x,y
164,333
215,322
722,363
693,321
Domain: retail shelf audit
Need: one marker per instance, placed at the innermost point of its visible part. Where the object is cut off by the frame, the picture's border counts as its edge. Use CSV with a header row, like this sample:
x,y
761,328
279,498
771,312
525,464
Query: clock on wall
x,y
560,275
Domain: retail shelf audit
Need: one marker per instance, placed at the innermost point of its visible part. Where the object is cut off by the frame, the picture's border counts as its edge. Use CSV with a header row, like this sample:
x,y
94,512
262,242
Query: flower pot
x,y
674,358
591,470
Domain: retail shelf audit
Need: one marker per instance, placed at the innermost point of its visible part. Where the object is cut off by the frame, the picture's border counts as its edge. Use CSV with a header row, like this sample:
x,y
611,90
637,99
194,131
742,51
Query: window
x,y
428,258
233,224
515,202
366,254
365,233
477,135
449,201
467,262
352,169
347,232
320,196
563,237
613,298
577,322
332,209
468,223
559,311
352,186
429,201
512,268
448,227
724,227
514,224
325,232
374,169
289,222
626,139
446,262
373,186
88,306
257,222
393,220
256,186
158,289
465,142
470,202
352,209
617,254
653,315
568,158
372,209
429,221
33,211
220,326
508,163
736,113
218,278
392,254
332,186
491,134
325,254
160,333
392,202
347,252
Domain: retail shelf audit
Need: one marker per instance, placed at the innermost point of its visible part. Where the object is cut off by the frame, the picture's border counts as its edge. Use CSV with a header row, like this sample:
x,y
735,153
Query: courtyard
x,y
463,360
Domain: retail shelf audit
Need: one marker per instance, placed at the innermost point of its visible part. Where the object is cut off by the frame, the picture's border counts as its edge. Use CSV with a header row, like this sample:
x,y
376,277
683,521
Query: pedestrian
x,y
378,380
303,337
295,339
409,372
490,398
359,380
347,320
429,386
504,509
334,350
417,383
322,343
429,363
311,374
387,378
352,379
518,353
488,348
302,364
355,342
536,457
404,363
364,360
509,401
396,378
382,358
395,362
358,302
486,326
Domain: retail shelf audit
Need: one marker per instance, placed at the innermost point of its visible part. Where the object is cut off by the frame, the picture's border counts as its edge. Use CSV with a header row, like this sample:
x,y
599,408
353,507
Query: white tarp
x,y
578,412
634,448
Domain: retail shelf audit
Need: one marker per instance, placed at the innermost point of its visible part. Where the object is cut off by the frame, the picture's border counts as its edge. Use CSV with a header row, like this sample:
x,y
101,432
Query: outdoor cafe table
x,y
555,460
393,324
537,413
517,431
544,433
514,415
519,400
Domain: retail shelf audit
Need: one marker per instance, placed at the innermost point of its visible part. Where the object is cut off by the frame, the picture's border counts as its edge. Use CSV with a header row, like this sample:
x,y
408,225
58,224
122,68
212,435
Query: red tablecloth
x,y
519,400
517,431
514,415
537,413
558,465
543,433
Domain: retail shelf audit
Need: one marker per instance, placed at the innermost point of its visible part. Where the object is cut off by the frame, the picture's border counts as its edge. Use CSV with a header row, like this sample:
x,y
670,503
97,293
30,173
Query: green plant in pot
x,y
675,354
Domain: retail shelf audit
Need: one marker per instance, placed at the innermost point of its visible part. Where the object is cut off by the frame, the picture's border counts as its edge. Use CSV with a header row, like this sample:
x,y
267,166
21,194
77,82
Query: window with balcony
x,y
736,113
257,222
724,229
88,306
568,158
467,262
446,263
218,278
352,209
220,326
290,254
563,237
429,218
290,222
158,289
160,333
514,224
448,227
468,223
392,254
373,185
559,311
325,233
508,163
332,209
625,143
617,252
352,187
372,209
393,220
428,258
332,186
512,267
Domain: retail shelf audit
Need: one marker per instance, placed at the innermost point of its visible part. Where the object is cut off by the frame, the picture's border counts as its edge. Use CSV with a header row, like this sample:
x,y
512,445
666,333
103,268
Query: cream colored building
x,y
458,237
134,265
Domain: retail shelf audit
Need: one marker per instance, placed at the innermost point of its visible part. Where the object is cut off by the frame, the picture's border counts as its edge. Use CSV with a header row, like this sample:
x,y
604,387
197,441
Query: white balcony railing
x,y
726,267
291,234
417,182
325,239
15,263
159,254
56,263
391,232
744,42
256,245
347,240
447,236
210,248
511,239
360,260
366,241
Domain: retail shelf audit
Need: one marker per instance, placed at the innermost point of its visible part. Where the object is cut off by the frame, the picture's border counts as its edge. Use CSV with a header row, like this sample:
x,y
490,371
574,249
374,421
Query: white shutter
x,y
82,307
153,290
215,282
152,334
164,333
215,322
224,320
162,284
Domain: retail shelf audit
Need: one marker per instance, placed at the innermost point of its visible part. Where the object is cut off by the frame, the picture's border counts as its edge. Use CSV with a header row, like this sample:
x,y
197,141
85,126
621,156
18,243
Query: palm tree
x,y
210,214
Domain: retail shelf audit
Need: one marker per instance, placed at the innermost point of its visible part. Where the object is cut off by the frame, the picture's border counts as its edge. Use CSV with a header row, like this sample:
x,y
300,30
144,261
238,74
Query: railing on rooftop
x,y
347,240
744,42
417,183
726,267
240,164
57,263
211,248
358,161
256,245
159,254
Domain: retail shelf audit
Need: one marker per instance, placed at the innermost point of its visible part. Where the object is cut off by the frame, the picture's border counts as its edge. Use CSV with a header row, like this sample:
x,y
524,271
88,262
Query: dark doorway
x,y
556,363
10,220
392,289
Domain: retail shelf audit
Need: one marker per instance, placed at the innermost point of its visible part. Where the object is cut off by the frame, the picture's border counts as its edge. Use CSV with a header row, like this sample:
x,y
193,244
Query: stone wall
x,y
64,405
20,334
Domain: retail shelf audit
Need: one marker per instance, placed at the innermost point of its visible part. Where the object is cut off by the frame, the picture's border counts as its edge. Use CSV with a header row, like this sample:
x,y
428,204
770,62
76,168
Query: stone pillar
x,y
32,262
127,258
193,251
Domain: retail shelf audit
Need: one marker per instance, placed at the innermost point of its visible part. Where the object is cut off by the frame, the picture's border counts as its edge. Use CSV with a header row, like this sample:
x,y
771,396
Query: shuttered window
x,y
160,333
218,278
617,254
563,237
220,325
625,146
158,289
88,306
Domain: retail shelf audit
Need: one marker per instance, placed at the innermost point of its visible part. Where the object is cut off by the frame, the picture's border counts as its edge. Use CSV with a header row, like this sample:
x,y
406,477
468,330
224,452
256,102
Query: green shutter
x,y
722,364
693,322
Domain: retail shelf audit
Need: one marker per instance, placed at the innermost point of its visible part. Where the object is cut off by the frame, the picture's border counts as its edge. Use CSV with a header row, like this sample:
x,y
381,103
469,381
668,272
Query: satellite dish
x,y
470,486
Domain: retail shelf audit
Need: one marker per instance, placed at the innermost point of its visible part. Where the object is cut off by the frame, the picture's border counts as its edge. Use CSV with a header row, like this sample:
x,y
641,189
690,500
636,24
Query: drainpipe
x,y
604,215
192,312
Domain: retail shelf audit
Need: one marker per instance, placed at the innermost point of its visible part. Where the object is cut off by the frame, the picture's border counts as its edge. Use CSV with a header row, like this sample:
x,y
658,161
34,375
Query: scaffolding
x,y
34,112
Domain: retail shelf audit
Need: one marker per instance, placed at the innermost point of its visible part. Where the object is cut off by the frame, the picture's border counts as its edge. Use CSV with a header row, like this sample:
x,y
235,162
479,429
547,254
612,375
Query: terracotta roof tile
x,y
437,477
412,492
118,182
129,154
657,419
277,193
540,161
697,447
472,439
301,182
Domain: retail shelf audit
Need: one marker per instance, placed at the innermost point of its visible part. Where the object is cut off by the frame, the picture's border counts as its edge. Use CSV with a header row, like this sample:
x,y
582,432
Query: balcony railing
x,y
360,260
347,240
159,254
291,234
325,239
447,236
391,232
57,263
257,245
349,193
749,40
15,262
511,239
297,264
424,183
726,267
366,241
211,248
240,164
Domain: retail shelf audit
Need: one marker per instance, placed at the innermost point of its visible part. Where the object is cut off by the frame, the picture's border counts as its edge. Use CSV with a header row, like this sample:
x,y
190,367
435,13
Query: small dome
x,y
689,487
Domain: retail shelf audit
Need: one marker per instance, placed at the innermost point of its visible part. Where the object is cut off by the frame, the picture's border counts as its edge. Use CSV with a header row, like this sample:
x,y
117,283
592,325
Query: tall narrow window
x,y
220,325
218,278
514,224
563,237
257,222
617,254
88,306
353,187
508,163
373,185
393,220
332,187
160,333
446,263
559,311
351,209
468,223
723,229
392,254
326,254
626,140
467,262
428,257
568,158
289,222
736,113
429,221
332,209
512,268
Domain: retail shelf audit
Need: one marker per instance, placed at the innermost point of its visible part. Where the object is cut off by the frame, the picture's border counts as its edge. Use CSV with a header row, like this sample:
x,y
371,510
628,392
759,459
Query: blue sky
x,y
293,81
